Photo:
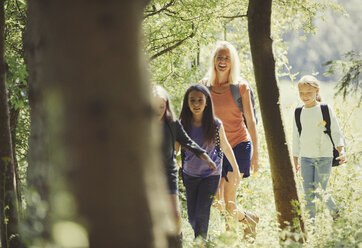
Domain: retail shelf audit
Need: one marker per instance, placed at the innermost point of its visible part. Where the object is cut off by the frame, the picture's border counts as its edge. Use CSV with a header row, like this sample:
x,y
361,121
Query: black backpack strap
x,y
327,119
236,96
297,113
220,154
217,143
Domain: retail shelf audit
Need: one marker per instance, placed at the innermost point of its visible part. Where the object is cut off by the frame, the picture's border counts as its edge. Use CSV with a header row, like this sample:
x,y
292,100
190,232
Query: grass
x,y
255,194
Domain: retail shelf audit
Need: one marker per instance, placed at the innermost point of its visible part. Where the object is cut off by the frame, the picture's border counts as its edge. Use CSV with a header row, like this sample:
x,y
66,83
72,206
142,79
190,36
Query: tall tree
x,y
88,81
283,175
8,199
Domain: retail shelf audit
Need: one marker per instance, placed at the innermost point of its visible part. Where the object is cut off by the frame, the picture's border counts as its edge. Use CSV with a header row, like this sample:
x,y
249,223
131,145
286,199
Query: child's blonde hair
x,y
159,91
311,81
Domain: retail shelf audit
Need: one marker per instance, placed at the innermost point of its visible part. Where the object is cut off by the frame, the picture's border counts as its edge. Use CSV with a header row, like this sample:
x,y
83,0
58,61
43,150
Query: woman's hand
x,y
236,177
254,163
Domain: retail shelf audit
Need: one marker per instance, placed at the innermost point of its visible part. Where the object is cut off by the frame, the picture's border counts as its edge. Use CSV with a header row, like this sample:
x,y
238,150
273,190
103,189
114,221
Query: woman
x,y
241,133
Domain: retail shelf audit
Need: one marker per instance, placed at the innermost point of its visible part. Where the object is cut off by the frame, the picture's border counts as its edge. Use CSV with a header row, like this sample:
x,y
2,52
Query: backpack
x,y
238,101
327,119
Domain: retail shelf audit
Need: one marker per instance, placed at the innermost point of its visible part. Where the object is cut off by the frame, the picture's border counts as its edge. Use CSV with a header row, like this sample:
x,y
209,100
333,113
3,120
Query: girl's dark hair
x,y
159,91
208,117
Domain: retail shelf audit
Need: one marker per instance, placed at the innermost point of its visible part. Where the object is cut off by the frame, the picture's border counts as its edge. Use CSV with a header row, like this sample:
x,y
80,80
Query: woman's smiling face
x,y
223,60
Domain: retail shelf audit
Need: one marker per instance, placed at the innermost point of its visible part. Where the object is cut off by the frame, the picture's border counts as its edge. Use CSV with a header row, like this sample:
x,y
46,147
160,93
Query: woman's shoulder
x,y
243,85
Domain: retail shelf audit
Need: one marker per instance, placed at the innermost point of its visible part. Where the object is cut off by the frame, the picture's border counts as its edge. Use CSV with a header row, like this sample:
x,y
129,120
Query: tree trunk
x,y
14,118
9,231
85,62
283,176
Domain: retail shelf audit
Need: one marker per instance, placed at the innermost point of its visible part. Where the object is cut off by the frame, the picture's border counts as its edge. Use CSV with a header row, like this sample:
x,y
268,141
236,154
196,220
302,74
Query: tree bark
x,y
14,118
283,175
91,86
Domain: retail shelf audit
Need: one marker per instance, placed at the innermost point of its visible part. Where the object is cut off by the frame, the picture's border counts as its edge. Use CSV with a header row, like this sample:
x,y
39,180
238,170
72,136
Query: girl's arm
x,y
297,166
337,136
184,140
226,148
209,162
177,149
250,121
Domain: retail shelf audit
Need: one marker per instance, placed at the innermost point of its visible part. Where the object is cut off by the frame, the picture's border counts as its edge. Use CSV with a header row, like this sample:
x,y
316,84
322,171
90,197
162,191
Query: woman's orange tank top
x,y
230,115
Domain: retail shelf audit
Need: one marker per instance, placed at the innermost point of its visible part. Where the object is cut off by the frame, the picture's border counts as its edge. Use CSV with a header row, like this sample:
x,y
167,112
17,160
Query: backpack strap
x,y
220,153
327,119
217,143
235,92
297,113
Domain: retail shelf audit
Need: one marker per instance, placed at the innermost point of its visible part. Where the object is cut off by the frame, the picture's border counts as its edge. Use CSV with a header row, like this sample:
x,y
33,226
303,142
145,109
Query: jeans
x,y
200,192
315,173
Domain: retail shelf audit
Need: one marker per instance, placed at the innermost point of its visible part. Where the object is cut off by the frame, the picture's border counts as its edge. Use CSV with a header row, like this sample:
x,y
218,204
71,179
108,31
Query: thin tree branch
x,y
234,17
168,49
160,10
20,11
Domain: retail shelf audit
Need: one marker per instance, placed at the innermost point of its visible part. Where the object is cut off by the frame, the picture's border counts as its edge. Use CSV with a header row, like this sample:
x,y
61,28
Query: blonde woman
x,y
240,128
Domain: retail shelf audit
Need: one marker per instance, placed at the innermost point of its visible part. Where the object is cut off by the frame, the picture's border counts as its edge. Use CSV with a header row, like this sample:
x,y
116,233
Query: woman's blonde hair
x,y
159,91
311,81
234,74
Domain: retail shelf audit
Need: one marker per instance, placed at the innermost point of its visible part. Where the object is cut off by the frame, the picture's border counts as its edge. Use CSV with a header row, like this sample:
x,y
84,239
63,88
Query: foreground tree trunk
x,y
88,80
283,176
5,145
8,199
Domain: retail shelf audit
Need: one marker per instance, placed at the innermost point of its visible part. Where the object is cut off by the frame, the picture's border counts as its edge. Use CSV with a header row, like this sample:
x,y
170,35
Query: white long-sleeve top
x,y
313,142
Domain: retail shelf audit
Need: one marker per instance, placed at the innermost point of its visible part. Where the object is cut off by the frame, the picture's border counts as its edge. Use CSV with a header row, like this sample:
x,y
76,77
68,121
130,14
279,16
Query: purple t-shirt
x,y
196,167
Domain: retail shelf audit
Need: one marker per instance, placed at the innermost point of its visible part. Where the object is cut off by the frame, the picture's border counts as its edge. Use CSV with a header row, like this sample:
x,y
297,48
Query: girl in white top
x,y
313,146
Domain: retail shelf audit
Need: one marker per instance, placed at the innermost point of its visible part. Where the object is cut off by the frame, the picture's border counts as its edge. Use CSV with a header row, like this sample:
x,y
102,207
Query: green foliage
x,y
255,194
179,36
350,69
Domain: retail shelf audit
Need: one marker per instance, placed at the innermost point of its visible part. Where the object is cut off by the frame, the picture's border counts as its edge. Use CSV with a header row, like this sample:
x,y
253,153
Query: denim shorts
x,y
242,153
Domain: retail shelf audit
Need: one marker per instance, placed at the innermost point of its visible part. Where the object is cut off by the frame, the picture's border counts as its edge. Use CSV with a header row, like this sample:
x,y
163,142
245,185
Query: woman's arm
x,y
226,148
250,121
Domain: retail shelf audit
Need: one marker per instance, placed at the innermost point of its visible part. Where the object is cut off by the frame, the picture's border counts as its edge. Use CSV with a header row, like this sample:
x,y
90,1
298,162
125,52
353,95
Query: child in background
x,y
172,132
314,146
